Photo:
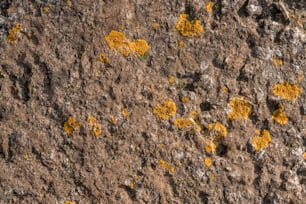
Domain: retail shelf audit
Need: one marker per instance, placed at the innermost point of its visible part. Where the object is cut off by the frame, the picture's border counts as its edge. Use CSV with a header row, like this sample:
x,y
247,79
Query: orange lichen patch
x,y
117,40
181,43
46,9
103,59
96,128
69,3
212,177
208,161
155,25
209,6
69,202
277,61
136,178
304,155
211,147
171,79
241,109
262,140
279,115
182,123
287,91
217,130
166,166
184,99
71,125
165,110
125,113
224,89
113,119
12,34
189,28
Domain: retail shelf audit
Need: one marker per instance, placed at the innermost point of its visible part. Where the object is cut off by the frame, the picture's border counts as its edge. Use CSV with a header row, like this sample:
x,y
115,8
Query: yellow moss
x,y
46,9
262,140
12,34
217,129
69,202
209,6
96,128
125,113
184,99
166,166
171,79
277,61
287,91
241,109
279,115
208,161
69,3
117,40
165,110
189,28
181,43
103,59
211,147
71,125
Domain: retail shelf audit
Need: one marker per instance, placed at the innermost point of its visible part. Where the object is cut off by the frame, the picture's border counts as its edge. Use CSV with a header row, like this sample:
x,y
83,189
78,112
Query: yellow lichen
x,y
212,177
224,89
287,91
184,99
189,28
241,109
117,40
181,43
171,79
261,140
12,34
155,25
165,110
209,6
166,166
95,127
46,9
217,130
182,123
304,155
103,59
211,147
208,161
125,113
71,125
279,115
113,119
69,202
277,61
69,3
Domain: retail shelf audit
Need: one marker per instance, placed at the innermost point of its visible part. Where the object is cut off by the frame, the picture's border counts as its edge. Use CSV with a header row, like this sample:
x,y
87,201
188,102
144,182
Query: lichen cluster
x,y
71,125
166,165
287,91
240,108
12,34
188,28
95,127
279,115
262,140
165,110
117,40
217,130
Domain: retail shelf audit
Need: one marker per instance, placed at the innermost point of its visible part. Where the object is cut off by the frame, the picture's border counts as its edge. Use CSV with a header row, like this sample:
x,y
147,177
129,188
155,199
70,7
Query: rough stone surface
x,y
54,71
